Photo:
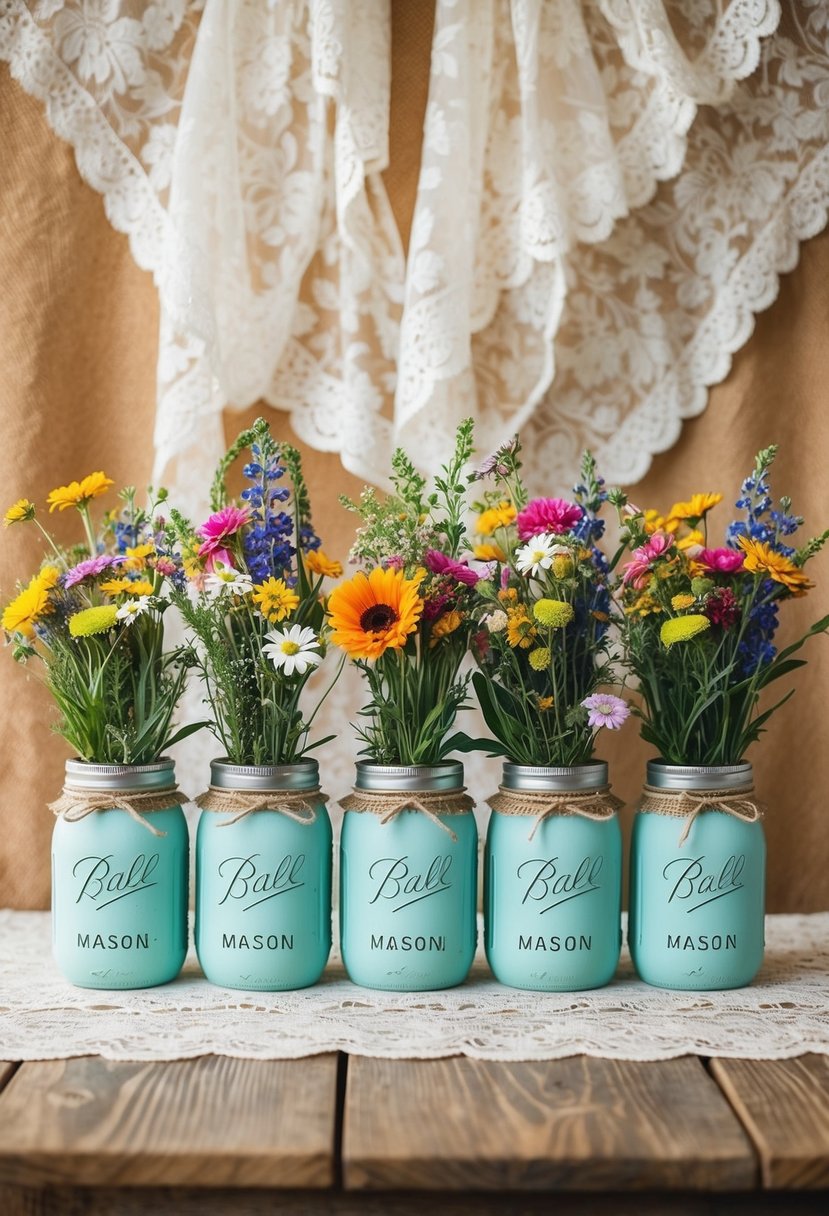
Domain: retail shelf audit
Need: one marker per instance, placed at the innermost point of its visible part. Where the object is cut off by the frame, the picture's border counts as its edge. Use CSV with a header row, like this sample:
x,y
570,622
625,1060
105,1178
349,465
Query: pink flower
x,y
90,568
606,710
164,565
721,561
439,563
547,515
636,572
435,606
216,530
395,562
218,557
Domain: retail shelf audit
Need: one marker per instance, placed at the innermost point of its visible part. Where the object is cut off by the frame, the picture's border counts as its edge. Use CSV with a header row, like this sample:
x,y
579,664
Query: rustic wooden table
x,y
352,1135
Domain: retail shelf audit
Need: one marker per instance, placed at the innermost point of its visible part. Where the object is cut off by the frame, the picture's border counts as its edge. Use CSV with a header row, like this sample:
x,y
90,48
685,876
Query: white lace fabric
x,y
608,193
784,1013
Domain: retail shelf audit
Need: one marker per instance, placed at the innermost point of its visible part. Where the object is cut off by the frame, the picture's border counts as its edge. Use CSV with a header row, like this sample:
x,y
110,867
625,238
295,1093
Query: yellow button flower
x,y
683,628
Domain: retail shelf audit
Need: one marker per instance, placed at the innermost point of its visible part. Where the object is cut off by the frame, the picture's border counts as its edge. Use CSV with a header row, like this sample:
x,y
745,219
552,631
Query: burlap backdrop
x,y
77,385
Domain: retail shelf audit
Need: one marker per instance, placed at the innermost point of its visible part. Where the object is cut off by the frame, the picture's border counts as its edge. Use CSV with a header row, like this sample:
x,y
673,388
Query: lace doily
x,y
608,192
784,1013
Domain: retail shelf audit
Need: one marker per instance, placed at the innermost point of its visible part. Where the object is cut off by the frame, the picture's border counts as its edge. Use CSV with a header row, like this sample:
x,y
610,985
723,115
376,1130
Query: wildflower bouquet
x,y
92,617
253,603
700,621
406,618
542,646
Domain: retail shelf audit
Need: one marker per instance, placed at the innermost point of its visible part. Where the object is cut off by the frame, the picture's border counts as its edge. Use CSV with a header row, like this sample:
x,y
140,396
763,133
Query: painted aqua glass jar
x,y
553,881
263,877
120,878
697,878
408,877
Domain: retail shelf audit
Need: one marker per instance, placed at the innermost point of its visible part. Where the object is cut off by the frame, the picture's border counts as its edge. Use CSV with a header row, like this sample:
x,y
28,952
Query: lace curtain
x,y
607,194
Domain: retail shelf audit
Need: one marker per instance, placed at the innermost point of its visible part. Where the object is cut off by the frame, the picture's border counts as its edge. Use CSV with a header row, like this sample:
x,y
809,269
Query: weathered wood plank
x,y
207,1122
784,1106
182,1202
574,1124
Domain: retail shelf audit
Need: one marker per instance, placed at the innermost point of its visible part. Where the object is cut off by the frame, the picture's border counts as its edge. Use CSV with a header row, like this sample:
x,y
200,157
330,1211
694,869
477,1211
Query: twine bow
x,y
688,804
388,804
301,806
76,803
598,804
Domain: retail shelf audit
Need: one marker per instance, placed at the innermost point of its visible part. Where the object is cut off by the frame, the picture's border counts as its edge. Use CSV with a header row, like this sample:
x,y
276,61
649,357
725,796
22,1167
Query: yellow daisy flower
x,y
275,599
520,629
26,609
445,625
19,512
136,556
691,512
117,586
489,552
680,602
544,703
496,517
319,563
79,493
762,559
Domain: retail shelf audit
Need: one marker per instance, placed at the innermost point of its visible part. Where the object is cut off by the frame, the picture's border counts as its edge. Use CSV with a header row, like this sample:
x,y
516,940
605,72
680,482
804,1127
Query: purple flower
x,y
605,710
439,563
91,568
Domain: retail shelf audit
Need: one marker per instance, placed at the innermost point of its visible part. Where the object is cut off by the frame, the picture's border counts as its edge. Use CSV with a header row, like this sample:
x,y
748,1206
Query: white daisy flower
x,y
538,553
293,650
225,580
130,609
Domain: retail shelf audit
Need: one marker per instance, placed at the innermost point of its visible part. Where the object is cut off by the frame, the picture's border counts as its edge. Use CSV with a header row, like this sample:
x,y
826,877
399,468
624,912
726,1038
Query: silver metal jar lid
x,y
590,776
409,777
304,775
698,776
81,774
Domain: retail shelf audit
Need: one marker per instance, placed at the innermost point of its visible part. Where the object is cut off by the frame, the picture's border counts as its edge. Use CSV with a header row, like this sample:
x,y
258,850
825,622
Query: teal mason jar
x,y
408,878
553,885
263,878
697,904
119,889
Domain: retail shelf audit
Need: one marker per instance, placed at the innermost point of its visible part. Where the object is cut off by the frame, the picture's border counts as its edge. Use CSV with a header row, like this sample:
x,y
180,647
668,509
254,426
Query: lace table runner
x,y
785,1013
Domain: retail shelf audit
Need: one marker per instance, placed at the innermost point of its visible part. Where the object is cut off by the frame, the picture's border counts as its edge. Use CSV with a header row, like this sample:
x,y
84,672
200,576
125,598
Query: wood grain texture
x,y
169,1202
575,1124
208,1122
784,1106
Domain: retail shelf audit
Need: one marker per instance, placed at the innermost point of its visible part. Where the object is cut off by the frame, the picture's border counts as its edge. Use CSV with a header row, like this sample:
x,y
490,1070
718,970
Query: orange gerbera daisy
x,y
761,559
373,613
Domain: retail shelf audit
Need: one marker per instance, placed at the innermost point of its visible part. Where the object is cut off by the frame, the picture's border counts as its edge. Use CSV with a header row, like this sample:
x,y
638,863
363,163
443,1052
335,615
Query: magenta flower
x,y
215,531
439,563
606,710
435,606
91,568
554,515
637,571
721,561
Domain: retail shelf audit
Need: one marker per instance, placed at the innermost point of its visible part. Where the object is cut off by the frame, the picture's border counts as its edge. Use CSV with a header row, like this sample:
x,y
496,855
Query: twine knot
x,y
688,804
299,805
75,803
388,804
598,804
